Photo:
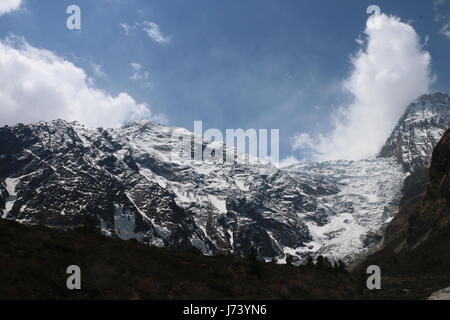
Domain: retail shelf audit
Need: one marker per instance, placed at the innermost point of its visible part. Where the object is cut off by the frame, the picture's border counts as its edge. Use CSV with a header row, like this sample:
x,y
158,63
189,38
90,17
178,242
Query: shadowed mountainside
x,y
34,259
418,261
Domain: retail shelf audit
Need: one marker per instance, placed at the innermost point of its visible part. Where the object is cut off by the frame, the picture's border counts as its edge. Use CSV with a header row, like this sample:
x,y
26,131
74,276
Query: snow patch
x,y
10,184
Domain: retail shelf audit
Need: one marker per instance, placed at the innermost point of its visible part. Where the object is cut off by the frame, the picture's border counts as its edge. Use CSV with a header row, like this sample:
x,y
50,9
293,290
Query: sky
x,y
331,79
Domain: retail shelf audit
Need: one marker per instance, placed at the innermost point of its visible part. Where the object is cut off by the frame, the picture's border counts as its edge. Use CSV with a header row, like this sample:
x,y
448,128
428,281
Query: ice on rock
x,y
128,181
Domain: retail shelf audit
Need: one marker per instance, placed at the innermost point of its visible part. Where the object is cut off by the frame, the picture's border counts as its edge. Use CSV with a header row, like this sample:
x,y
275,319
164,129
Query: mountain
x,y
433,215
376,197
418,131
417,263
414,257
124,180
412,143
118,269
356,215
128,183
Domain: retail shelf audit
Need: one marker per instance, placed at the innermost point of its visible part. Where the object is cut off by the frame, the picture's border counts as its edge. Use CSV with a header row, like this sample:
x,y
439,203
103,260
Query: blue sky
x,y
231,64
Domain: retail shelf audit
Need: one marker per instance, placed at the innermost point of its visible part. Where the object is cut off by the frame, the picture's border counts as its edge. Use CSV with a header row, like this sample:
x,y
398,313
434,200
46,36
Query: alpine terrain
x,y
127,182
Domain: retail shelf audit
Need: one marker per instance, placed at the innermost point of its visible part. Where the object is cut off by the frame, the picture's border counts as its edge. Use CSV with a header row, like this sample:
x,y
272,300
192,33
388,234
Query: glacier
x,y
353,220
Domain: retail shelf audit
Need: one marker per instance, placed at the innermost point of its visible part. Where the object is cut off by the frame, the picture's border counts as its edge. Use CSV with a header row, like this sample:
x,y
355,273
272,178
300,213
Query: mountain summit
x,y
419,130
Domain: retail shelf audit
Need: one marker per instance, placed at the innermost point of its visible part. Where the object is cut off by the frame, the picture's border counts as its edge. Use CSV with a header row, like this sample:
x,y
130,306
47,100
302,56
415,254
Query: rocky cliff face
x,y
412,143
414,189
421,127
433,215
126,181
417,263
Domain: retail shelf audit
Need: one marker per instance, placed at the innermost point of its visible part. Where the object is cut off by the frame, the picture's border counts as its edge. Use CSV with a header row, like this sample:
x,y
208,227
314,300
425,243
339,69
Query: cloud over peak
x,y
389,71
42,86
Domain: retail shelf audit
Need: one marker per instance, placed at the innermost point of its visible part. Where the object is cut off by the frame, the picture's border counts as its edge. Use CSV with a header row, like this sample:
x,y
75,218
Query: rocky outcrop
x,y
416,263
433,215
418,131
412,143
414,189
425,205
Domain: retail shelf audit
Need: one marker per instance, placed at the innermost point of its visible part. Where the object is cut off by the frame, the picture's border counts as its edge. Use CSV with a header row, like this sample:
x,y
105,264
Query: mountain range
x,y
126,183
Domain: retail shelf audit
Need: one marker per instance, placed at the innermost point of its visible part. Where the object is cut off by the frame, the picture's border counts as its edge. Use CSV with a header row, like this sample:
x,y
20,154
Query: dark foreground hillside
x,y
33,263
414,274
418,261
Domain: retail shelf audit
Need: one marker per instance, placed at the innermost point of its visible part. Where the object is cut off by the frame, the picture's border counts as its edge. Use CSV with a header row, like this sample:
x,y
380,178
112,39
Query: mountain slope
x,y
418,131
34,260
128,183
419,262
412,143
356,215
433,215
60,174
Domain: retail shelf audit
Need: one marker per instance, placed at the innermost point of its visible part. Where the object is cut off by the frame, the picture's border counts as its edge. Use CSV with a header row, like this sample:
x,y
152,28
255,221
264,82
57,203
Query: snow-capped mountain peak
x,y
129,182
419,130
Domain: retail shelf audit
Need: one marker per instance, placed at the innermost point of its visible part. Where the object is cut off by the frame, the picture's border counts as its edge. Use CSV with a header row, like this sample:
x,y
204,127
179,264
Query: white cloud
x,y
301,141
442,19
150,28
7,6
39,85
445,30
390,72
153,31
140,75
97,69
127,28
136,66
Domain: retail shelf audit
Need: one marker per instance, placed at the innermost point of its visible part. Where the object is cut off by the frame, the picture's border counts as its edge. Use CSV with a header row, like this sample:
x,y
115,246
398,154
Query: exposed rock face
x,y
125,180
412,143
59,173
425,206
414,189
417,262
433,215
418,131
